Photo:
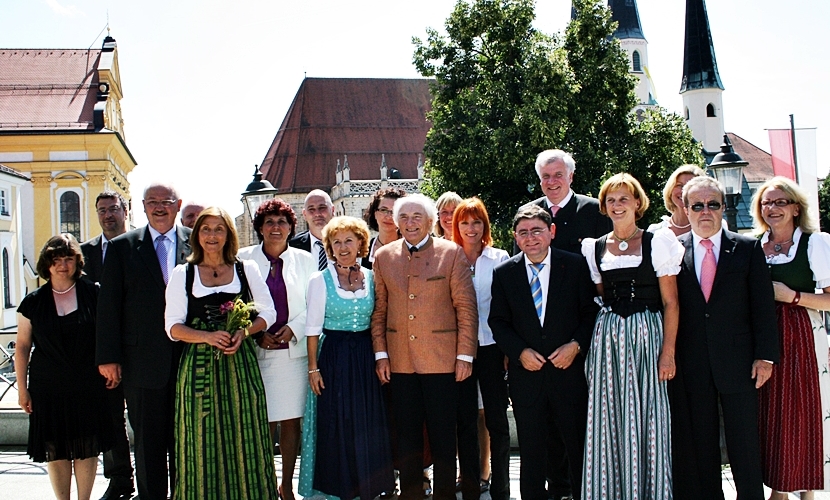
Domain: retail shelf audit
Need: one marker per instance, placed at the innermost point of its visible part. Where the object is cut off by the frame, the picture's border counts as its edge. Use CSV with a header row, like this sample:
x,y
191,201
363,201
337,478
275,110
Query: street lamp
x,y
257,192
728,167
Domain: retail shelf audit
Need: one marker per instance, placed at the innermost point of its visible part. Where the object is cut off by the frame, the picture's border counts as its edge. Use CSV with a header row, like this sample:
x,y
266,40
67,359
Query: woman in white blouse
x,y
281,350
627,444
471,230
220,399
795,402
346,450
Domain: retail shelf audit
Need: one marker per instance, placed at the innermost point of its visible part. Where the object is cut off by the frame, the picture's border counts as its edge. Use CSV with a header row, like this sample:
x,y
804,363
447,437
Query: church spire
x,y
700,69
625,13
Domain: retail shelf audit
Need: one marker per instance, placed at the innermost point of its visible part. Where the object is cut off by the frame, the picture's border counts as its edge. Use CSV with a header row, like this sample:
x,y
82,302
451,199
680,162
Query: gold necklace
x,y
623,243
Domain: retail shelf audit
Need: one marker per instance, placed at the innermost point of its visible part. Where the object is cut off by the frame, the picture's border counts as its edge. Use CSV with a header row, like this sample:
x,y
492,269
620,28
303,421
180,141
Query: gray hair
x,y
552,155
416,199
320,193
702,182
173,192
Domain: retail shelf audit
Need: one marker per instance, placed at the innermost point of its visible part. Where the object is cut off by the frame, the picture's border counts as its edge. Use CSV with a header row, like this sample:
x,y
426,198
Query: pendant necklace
x,y
623,243
779,246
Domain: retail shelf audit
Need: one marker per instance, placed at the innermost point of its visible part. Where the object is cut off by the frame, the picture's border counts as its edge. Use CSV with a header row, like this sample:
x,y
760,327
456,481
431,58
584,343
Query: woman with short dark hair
x,y
59,386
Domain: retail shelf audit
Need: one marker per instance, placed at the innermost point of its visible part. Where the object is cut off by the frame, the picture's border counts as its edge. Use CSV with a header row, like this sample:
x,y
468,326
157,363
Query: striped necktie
x,y
536,288
322,261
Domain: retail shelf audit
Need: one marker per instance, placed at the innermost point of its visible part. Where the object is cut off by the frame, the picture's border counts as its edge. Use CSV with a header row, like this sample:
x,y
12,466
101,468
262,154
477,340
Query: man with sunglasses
x,y
727,340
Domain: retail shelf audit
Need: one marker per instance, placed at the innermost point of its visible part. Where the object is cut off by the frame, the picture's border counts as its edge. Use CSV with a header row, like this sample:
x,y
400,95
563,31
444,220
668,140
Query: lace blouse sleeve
x,y
666,253
588,248
818,252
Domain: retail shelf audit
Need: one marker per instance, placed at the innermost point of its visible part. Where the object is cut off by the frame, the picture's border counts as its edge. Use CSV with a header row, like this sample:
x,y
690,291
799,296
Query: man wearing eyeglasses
x,y
542,315
727,340
112,217
131,341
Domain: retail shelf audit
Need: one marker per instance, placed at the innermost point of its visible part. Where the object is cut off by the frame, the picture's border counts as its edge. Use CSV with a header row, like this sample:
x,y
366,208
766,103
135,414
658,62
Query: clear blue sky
x,y
207,83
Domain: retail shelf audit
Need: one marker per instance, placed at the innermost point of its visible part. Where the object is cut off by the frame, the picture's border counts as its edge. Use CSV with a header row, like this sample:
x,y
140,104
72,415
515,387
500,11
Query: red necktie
x,y
707,269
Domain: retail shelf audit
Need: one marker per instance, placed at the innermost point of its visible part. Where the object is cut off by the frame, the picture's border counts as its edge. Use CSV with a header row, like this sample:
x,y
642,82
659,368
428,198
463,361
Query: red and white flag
x,y
781,148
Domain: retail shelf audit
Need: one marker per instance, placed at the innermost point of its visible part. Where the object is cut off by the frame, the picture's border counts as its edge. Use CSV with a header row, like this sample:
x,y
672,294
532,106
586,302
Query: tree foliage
x,y
824,205
504,91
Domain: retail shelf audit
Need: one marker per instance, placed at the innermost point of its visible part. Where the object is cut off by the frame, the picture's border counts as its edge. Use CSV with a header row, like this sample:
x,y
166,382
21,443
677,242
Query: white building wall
x,y
706,130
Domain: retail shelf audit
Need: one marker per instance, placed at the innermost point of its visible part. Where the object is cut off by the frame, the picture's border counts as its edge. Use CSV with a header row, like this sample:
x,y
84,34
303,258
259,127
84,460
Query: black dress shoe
x,y
120,488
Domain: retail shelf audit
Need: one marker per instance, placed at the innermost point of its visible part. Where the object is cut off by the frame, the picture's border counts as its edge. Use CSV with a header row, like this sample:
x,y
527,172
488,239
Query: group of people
x,y
377,356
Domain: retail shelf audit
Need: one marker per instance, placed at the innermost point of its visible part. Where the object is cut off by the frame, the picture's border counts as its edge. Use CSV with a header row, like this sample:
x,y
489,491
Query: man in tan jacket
x,y
424,334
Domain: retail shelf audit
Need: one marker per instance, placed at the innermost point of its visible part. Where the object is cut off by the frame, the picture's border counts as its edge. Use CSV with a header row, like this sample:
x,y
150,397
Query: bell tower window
x,y
710,110
636,60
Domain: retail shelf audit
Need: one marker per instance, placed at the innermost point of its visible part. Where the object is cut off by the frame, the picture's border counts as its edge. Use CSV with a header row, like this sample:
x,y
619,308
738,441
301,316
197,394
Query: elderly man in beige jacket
x,y
424,333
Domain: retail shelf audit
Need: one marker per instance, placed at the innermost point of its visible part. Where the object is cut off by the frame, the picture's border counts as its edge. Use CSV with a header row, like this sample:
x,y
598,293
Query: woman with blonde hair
x,y
795,401
677,220
445,204
628,444
346,450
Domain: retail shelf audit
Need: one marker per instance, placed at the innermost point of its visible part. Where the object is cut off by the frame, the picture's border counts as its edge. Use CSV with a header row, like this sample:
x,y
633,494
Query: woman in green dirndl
x,y
223,447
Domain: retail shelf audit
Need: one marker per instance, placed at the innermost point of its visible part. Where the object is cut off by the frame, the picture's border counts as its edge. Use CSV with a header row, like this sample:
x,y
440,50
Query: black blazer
x,y
577,220
719,340
570,315
130,326
92,258
301,241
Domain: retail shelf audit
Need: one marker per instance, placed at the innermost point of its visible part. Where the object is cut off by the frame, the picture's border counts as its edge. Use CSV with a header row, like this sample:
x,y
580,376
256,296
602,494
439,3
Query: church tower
x,y
630,34
701,87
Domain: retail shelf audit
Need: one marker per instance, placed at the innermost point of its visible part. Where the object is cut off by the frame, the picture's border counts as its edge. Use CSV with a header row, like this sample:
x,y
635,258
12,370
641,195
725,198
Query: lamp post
x,y
728,167
257,192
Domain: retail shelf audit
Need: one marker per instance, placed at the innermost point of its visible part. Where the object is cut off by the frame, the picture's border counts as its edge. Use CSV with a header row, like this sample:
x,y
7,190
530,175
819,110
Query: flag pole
x,y
795,157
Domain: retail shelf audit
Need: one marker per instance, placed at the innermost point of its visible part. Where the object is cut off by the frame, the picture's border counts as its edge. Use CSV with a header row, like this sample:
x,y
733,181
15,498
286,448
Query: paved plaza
x,y
21,479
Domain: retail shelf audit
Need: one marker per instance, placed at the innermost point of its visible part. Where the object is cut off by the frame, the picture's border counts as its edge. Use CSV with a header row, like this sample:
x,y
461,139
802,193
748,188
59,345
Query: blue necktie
x,y
536,288
161,253
322,259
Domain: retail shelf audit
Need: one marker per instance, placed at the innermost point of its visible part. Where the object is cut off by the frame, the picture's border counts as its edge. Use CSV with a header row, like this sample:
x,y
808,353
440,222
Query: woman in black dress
x,y
60,388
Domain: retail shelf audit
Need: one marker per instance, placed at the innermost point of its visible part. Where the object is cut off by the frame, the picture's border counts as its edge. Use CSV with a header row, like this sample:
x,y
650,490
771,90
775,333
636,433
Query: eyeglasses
x,y
159,203
780,202
525,233
384,212
714,206
111,210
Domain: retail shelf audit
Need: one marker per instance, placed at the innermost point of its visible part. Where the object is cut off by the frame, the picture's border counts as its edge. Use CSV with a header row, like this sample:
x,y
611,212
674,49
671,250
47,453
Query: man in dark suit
x,y
131,340
542,315
118,468
576,217
317,212
727,340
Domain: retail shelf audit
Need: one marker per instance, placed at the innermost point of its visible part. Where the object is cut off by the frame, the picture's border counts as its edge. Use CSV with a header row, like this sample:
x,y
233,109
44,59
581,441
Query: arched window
x,y
71,214
687,113
7,281
636,58
710,110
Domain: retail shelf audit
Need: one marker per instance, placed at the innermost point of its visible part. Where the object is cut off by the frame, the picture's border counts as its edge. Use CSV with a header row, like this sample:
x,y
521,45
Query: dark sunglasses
x,y
712,205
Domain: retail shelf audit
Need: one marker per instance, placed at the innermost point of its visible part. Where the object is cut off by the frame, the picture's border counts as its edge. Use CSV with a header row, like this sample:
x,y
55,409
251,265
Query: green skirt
x,y
223,445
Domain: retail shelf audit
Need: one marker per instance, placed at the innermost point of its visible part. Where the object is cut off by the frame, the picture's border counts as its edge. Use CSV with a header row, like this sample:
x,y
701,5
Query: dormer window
x,y
636,59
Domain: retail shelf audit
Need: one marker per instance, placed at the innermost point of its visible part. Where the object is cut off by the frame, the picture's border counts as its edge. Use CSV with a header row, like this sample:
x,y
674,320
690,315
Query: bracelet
x,y
797,298
578,347
313,371
247,333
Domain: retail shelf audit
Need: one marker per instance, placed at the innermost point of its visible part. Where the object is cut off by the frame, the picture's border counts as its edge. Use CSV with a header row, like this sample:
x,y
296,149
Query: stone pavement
x,y
21,479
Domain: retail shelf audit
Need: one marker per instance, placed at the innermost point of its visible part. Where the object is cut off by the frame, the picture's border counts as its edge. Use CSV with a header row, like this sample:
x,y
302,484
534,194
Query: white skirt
x,y
286,383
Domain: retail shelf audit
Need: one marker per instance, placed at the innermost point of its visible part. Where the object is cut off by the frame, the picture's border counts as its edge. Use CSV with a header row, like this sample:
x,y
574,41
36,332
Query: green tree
x,y
824,205
503,92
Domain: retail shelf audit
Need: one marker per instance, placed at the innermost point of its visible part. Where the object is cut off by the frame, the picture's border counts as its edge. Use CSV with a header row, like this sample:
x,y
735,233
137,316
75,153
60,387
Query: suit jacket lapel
x,y
554,284
147,250
727,250
689,255
182,246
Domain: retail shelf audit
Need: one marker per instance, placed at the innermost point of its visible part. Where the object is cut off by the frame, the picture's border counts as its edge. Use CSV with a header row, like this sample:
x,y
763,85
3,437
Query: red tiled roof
x,y
359,117
48,89
760,162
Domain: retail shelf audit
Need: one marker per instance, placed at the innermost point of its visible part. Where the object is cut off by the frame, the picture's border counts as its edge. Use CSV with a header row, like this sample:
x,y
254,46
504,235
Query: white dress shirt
x,y
170,246
316,249
562,203
544,280
700,250
482,281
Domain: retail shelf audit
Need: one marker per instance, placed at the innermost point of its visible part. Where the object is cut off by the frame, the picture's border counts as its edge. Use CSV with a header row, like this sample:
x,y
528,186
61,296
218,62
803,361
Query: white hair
x,y
419,199
320,193
173,192
552,155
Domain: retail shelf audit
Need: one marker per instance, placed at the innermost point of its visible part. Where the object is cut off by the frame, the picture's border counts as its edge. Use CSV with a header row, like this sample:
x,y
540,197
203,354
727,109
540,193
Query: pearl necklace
x,y
65,291
672,223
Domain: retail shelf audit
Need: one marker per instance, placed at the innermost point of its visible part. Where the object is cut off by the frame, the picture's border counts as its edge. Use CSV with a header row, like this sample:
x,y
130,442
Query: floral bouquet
x,y
231,316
